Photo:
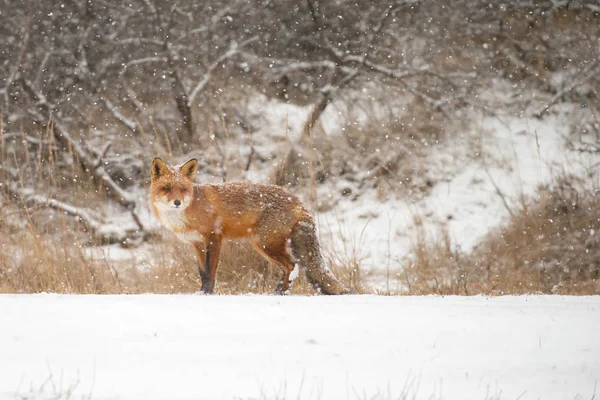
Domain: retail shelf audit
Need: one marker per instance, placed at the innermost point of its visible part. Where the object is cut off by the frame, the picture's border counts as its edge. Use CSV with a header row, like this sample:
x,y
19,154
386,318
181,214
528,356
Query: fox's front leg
x,y
212,254
201,252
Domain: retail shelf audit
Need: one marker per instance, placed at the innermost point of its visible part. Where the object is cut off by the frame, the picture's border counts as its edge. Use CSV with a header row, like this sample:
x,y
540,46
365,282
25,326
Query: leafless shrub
x,y
385,145
550,246
554,240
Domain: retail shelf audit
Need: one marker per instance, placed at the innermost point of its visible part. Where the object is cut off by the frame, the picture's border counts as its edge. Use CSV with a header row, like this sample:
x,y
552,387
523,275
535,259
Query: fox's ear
x,y
189,168
158,168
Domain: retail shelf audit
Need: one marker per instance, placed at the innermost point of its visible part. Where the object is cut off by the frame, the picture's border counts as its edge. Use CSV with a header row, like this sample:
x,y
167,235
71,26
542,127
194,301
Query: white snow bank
x,y
222,347
515,155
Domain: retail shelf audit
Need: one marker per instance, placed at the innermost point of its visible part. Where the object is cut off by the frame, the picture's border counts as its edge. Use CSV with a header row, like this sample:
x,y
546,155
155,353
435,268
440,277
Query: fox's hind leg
x,y
278,253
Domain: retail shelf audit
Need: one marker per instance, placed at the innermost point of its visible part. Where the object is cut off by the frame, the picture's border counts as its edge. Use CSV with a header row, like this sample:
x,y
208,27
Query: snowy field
x,y
267,347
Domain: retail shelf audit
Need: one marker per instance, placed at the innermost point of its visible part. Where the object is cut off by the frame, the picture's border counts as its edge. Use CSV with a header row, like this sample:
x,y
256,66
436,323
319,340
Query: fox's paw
x,y
204,293
207,287
280,291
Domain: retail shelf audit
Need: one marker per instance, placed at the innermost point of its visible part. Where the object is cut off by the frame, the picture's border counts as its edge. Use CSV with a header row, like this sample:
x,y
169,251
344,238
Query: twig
x,y
499,192
589,72
30,198
252,151
114,110
233,50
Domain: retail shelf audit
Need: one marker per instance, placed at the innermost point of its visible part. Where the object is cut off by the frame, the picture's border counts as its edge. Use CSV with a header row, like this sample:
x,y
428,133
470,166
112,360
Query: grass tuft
x,y
550,245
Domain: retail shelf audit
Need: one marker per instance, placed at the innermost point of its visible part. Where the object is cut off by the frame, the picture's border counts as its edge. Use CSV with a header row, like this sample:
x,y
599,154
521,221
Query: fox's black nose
x,y
177,203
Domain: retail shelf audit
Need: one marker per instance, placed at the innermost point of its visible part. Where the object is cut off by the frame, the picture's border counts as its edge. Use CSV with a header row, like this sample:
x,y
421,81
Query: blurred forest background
x,y
92,91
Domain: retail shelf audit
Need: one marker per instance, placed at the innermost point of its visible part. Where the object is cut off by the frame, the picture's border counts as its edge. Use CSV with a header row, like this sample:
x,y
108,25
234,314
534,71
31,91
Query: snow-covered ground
x,y
517,155
267,347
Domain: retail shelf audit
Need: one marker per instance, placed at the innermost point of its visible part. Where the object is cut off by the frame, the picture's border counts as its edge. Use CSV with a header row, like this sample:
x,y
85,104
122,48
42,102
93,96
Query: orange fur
x,y
204,215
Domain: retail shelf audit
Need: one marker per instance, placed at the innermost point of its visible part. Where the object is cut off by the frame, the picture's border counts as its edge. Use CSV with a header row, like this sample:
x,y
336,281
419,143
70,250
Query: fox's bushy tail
x,y
307,253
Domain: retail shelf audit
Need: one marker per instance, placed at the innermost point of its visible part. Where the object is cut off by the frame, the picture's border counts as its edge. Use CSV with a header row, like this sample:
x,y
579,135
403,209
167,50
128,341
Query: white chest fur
x,y
175,221
190,237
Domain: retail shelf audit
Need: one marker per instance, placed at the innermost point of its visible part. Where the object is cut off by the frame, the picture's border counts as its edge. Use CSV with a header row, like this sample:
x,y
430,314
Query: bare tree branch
x,y
131,125
140,61
30,198
99,229
234,48
14,71
90,160
588,73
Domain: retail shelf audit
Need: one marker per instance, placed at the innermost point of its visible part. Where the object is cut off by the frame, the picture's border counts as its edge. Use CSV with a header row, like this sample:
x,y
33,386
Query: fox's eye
x,y
167,189
183,190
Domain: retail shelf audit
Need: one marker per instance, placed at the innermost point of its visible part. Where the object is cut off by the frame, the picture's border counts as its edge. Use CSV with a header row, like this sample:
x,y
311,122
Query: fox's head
x,y
172,186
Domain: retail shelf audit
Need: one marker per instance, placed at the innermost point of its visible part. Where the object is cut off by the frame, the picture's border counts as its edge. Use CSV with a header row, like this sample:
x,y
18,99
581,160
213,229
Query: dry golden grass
x,y
32,263
241,270
551,245
52,252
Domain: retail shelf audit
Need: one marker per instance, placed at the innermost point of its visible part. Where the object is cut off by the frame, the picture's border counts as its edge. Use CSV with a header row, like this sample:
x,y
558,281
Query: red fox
x,y
279,227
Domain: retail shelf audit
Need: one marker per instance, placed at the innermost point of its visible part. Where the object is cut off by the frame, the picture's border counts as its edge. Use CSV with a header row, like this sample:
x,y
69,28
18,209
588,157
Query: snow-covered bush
x,y
550,245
